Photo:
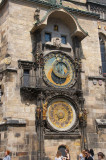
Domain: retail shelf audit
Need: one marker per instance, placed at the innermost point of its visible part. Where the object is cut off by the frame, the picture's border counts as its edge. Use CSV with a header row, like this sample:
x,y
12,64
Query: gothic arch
x,y
62,148
68,18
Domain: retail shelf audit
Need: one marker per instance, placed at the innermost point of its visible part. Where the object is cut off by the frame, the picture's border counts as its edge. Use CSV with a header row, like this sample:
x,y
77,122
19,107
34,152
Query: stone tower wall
x,y
4,16
94,93
16,23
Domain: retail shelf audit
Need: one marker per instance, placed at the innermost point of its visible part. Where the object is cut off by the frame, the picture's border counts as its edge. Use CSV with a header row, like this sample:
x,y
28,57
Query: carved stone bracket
x,y
96,79
101,125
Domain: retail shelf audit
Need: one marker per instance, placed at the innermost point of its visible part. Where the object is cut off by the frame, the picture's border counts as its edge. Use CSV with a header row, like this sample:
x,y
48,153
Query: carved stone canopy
x,y
67,18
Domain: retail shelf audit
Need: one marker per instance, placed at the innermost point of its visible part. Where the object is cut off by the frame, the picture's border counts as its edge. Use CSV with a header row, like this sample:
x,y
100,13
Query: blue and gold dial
x,y
59,70
61,114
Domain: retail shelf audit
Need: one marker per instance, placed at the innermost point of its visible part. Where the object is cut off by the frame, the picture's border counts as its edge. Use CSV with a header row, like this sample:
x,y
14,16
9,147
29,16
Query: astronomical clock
x,y
59,70
59,73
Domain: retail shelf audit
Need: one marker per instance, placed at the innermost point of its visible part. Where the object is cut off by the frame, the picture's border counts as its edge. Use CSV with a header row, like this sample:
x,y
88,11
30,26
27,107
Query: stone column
x,y
40,128
82,119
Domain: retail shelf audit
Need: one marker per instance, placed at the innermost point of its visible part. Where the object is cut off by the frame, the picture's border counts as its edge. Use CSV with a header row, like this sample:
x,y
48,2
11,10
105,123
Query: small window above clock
x,y
47,37
63,39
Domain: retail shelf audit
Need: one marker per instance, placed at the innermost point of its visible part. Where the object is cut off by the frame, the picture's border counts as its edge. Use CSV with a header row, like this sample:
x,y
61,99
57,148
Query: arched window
x,y
62,150
102,40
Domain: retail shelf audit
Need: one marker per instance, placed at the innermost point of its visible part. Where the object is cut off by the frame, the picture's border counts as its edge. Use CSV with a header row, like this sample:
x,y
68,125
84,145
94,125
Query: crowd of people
x,y
84,155
89,155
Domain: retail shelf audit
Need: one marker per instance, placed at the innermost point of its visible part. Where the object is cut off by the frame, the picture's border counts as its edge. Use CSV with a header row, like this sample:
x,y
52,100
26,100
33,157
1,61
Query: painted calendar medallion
x,y
61,114
59,70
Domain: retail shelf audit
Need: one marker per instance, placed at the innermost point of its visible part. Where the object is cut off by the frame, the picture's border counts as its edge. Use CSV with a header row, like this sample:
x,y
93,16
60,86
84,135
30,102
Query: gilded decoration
x,y
61,115
44,110
59,70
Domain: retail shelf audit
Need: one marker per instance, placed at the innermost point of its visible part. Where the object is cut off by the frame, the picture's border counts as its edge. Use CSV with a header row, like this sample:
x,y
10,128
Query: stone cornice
x,y
81,12
75,2
96,78
8,70
52,5
14,122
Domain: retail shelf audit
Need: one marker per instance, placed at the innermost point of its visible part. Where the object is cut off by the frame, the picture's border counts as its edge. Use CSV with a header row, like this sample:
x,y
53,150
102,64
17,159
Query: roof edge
x,y
54,5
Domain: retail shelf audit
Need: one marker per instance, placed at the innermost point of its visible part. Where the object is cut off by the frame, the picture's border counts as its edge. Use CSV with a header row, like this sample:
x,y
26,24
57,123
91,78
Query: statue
x,y
85,114
38,112
57,42
44,105
83,117
37,15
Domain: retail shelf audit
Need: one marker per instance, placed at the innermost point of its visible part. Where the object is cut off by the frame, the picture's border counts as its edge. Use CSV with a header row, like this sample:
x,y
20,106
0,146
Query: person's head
x,y
100,155
83,153
7,152
87,153
58,154
67,150
91,152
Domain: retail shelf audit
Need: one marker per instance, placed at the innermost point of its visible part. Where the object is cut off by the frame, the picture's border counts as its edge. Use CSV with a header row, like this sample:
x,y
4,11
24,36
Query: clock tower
x,y
52,78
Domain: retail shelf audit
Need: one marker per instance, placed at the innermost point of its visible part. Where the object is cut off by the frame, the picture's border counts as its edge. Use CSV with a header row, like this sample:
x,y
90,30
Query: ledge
x,y
96,78
62,135
101,123
9,70
53,5
11,121
4,68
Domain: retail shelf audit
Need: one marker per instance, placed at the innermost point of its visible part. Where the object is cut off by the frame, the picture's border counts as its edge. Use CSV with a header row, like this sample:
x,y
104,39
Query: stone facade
x,y
22,41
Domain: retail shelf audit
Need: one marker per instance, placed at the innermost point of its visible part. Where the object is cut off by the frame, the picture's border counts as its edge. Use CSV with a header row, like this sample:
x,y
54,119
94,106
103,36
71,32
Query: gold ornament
x,y
44,110
7,60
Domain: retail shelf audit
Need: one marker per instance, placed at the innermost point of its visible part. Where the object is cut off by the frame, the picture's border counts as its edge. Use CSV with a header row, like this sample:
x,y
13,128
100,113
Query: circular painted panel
x,y
59,70
61,114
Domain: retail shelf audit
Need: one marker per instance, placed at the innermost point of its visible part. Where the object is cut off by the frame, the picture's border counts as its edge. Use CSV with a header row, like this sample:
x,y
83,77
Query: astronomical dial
x,y
61,114
59,70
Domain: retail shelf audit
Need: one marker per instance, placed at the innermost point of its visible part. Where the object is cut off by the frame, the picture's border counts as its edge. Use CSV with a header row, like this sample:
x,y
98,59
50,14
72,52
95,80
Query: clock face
x,y
59,70
61,114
